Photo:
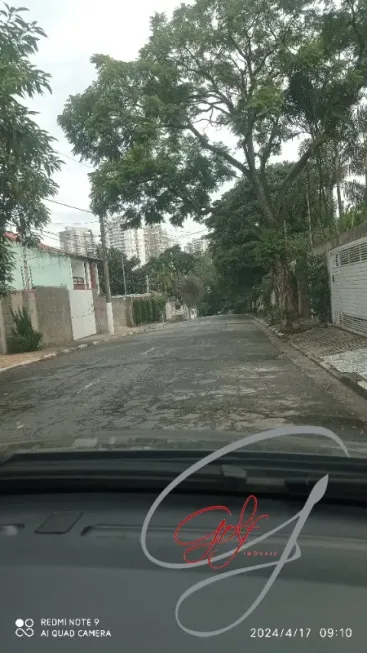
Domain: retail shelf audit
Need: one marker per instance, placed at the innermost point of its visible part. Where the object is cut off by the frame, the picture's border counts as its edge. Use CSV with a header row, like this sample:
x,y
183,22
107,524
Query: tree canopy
x,y
27,158
264,72
243,249
191,290
165,271
254,73
117,263
162,274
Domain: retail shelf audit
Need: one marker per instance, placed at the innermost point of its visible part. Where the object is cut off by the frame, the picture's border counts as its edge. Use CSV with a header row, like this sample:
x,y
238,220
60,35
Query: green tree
x,y
27,159
116,261
165,271
357,151
244,251
191,291
149,311
266,72
234,233
137,312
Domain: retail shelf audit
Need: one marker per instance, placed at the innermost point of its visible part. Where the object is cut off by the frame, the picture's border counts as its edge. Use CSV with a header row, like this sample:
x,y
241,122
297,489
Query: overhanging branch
x,y
216,150
300,165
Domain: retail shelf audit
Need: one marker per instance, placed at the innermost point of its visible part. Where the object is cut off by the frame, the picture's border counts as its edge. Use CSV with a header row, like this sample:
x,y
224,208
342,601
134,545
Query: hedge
x,y
146,311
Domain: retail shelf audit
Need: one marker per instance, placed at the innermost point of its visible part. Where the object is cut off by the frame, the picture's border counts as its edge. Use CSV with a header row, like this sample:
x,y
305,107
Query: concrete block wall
x,y
3,346
122,312
100,310
54,319
6,322
15,301
7,305
173,314
49,309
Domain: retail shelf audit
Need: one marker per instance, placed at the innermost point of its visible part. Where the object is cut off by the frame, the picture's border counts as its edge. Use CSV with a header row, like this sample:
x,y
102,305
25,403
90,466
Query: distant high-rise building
x,y
157,240
130,241
78,241
196,245
200,244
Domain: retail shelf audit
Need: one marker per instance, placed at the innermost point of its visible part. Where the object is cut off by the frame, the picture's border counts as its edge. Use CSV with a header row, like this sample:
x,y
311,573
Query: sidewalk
x,y
336,350
342,353
8,361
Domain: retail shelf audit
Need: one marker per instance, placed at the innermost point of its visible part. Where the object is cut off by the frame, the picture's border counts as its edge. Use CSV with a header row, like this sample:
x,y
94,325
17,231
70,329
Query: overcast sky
x,y
76,30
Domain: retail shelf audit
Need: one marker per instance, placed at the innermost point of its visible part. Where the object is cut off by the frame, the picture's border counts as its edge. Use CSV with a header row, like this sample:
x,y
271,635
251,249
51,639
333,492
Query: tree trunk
x,y
288,303
338,179
340,201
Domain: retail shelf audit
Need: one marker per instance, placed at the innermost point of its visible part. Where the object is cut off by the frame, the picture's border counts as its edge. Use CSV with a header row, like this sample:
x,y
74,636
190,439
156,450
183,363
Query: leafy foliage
x,y
244,251
146,311
137,312
24,336
191,291
165,271
116,261
27,159
319,287
6,265
260,72
264,71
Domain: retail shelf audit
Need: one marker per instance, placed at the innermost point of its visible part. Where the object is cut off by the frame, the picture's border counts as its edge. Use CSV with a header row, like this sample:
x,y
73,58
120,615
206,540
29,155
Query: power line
x,y
67,156
52,235
77,208
71,207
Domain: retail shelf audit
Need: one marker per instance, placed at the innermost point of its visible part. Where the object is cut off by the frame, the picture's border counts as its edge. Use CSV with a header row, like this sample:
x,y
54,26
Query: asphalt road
x,y
202,381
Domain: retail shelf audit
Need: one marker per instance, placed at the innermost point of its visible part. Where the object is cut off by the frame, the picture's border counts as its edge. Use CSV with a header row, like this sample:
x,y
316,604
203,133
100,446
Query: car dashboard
x,y
74,574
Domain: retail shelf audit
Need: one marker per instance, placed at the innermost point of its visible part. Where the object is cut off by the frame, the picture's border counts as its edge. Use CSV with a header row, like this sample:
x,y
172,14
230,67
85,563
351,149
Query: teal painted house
x,y
48,266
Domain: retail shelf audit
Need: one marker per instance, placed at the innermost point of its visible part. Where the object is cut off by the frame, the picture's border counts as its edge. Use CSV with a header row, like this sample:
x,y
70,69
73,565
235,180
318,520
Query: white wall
x,y
348,283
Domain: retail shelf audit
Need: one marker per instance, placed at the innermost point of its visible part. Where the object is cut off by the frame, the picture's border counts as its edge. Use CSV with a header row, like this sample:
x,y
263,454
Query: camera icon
x,y
24,627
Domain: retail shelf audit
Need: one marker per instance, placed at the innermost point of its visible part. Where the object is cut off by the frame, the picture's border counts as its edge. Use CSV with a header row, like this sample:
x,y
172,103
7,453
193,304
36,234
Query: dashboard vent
x,y
9,530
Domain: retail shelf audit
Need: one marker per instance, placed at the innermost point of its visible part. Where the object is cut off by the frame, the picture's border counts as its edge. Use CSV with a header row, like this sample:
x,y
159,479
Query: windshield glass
x,y
183,253
183,325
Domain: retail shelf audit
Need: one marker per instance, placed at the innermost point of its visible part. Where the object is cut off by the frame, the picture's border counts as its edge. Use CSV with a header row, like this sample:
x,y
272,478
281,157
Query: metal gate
x,y
83,320
348,275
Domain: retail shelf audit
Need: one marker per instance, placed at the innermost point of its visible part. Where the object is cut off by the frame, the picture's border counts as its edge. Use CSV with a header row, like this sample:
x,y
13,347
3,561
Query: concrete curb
x,y
84,345
353,381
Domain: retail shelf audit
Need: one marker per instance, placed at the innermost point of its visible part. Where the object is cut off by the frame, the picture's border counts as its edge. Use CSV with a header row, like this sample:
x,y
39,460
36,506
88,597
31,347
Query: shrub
x,y
24,336
144,311
149,311
137,313
319,288
160,306
155,310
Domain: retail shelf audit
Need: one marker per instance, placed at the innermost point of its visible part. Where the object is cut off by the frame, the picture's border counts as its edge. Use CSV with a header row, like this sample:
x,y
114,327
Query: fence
x,y
63,315
59,314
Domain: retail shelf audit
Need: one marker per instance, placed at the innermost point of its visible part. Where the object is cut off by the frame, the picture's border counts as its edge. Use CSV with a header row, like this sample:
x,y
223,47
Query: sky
x,y
76,30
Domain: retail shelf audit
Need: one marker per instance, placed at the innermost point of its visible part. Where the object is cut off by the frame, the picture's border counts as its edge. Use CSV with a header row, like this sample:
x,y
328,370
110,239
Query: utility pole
x,y
308,193
110,325
123,272
25,265
147,284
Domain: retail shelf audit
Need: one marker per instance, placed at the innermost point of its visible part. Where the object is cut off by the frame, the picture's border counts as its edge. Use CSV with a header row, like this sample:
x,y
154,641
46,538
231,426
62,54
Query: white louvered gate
x,y
348,275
